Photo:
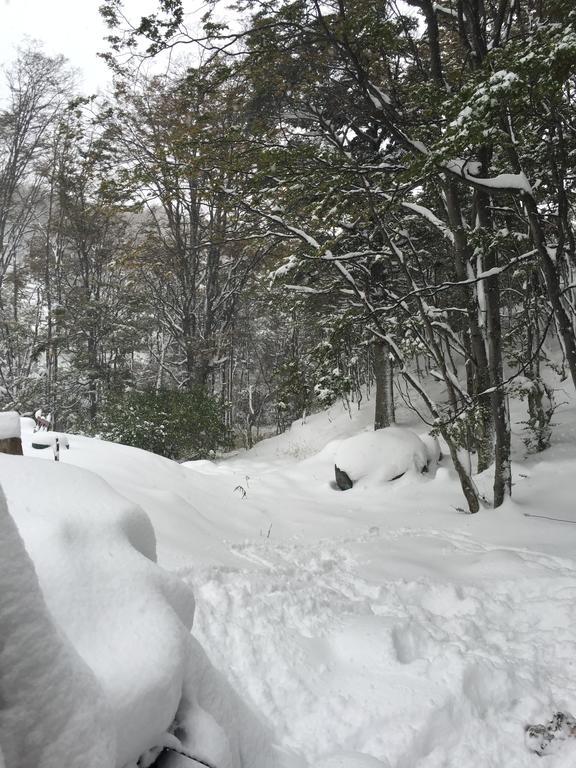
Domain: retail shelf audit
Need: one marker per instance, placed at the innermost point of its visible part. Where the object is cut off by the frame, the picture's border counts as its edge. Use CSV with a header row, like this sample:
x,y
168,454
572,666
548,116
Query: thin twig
x,y
555,519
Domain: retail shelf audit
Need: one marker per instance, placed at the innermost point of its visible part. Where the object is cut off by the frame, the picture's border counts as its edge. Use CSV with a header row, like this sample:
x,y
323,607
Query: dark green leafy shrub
x,y
174,424
293,393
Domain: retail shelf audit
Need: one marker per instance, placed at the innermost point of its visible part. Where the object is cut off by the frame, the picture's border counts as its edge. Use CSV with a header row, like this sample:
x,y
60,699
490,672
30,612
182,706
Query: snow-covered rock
x,y
380,456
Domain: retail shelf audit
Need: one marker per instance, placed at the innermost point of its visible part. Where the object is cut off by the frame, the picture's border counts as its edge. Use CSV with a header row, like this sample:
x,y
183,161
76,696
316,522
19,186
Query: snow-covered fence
x,y
10,437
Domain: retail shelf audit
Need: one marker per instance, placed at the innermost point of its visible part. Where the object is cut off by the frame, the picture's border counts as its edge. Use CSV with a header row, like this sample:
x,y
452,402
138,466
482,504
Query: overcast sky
x,y
70,27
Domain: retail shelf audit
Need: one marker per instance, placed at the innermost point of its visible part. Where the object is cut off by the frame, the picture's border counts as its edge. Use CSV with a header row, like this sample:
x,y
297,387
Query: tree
x,y
178,136
37,93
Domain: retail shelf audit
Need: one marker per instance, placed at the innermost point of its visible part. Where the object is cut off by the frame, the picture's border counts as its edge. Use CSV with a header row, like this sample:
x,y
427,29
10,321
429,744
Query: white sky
x,y
70,27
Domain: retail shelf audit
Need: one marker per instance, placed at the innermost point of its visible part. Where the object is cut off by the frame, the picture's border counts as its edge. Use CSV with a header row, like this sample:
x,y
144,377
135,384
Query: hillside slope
x,y
381,620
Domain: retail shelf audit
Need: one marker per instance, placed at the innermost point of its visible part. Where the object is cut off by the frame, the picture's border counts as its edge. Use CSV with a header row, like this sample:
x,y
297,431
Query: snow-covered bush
x,y
380,456
176,424
293,393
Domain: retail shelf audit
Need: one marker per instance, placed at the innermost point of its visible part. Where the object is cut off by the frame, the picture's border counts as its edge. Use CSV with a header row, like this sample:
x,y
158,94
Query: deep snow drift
x,y
380,624
97,676
50,703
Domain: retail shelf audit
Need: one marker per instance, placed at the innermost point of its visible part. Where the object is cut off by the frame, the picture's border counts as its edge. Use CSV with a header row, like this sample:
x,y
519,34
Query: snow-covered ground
x,y
379,622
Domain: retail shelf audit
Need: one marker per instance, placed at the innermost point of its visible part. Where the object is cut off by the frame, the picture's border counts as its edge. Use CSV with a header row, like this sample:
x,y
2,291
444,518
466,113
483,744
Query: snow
x,y
503,181
377,96
421,210
9,424
351,760
50,705
49,439
376,627
94,553
432,447
380,456
447,11
94,559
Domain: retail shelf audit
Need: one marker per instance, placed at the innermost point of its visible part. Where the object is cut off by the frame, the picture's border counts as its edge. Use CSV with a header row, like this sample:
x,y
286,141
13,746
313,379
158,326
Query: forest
x,y
311,201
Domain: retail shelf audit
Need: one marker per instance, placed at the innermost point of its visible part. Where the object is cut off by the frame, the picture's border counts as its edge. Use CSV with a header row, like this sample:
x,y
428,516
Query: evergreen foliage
x,y
175,424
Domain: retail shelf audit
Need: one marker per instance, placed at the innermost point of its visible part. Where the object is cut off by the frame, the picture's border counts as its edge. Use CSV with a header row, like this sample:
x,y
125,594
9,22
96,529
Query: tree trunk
x,y
479,373
11,445
466,481
552,280
384,396
500,417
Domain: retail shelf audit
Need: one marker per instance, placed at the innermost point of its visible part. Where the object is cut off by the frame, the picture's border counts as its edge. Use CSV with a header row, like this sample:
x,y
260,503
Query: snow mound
x,y
380,456
124,623
433,450
52,711
309,435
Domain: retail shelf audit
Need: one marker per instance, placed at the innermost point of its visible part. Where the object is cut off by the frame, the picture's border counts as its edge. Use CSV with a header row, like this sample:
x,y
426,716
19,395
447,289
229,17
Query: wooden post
x,y
10,440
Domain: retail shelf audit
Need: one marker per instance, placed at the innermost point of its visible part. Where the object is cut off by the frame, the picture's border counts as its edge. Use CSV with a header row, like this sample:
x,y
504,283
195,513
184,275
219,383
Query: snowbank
x,y
380,456
128,665
383,623
52,711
